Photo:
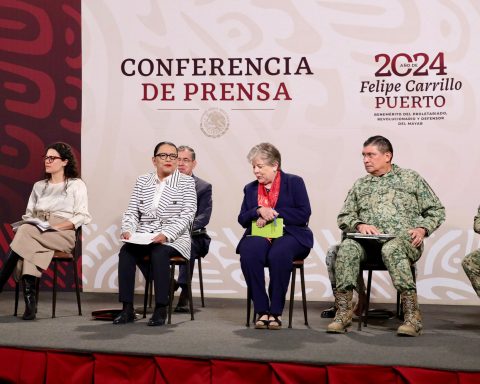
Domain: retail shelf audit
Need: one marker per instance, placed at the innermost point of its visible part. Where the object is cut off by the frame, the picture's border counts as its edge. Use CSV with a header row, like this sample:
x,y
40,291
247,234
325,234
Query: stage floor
x,y
450,340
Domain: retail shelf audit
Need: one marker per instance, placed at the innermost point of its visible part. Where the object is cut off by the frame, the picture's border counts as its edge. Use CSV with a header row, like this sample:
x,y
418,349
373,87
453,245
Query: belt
x,y
42,215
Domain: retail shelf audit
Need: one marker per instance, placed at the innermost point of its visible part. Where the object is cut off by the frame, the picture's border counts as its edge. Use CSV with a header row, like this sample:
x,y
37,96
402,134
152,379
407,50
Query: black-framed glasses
x,y
164,156
51,159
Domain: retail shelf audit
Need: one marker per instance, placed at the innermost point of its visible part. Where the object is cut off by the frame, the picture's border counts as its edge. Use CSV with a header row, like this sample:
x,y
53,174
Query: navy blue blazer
x,y
293,206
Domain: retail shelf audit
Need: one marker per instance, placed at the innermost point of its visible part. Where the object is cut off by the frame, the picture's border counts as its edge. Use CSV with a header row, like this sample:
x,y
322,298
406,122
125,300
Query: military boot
x,y
343,316
412,324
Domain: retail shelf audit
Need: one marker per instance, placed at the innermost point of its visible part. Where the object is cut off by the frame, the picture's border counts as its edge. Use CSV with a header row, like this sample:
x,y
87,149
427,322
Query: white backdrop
x,y
319,131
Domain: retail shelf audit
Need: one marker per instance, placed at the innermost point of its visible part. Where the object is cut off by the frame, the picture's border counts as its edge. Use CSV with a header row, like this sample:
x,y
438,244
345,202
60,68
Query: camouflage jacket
x,y
476,222
395,202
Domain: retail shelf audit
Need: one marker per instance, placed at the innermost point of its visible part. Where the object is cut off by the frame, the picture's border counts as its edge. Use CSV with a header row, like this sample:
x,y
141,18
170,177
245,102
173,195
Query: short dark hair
x,y
164,143
66,153
382,143
187,148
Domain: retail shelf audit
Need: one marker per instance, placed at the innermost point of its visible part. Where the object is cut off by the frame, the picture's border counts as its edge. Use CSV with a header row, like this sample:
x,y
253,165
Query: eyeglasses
x,y
51,159
163,156
184,160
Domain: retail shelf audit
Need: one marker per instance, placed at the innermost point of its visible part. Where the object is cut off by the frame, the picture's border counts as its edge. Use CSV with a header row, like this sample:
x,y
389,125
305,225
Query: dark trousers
x,y
132,255
257,253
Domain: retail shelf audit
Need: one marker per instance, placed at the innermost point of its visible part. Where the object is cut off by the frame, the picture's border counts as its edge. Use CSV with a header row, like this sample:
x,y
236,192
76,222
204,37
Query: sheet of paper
x,y
382,236
142,238
42,225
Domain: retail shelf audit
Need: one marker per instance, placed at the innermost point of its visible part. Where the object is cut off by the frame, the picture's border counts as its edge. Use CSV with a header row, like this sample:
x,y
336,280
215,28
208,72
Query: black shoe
x,y
159,316
183,303
124,317
29,294
328,313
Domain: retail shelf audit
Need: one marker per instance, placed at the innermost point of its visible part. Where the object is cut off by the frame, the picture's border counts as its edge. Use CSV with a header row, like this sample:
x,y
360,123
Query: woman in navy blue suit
x,y
274,194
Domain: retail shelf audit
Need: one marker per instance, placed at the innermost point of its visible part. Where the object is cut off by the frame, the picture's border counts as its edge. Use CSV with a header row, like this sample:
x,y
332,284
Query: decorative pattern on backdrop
x,y
40,100
215,75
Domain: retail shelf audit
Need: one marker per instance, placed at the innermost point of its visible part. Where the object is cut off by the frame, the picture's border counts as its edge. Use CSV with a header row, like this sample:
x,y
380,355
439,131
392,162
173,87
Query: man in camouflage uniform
x,y
389,200
471,262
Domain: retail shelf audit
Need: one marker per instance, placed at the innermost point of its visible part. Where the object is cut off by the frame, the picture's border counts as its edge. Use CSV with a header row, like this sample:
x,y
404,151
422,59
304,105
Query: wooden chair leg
x,y
304,294
150,292
170,296
249,306
367,304
399,306
17,294
148,287
54,298
200,277
77,287
189,287
37,292
292,294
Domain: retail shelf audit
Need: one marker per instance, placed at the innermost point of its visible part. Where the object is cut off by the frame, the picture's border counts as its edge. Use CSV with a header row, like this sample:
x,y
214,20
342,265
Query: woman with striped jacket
x,y
163,204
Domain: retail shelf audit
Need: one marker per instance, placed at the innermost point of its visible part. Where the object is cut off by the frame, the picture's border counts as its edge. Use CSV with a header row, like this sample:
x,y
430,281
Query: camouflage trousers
x,y
471,266
397,254
330,260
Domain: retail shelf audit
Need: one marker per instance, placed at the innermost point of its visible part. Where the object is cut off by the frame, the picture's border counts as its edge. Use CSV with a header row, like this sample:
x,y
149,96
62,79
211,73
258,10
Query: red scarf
x,y
269,199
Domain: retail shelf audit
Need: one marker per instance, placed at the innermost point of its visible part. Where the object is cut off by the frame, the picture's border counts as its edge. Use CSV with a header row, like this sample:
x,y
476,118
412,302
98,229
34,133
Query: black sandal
x,y
275,320
262,324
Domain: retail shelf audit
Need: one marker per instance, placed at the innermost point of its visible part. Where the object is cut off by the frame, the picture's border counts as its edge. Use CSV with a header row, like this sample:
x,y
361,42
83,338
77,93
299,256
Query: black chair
x,y
297,264
200,278
174,261
375,263
60,257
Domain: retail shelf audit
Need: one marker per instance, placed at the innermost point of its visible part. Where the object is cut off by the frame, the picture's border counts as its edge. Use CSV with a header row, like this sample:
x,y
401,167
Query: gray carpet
x,y
450,341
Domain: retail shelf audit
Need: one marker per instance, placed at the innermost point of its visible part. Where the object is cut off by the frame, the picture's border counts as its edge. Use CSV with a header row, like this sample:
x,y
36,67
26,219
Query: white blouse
x,y
53,199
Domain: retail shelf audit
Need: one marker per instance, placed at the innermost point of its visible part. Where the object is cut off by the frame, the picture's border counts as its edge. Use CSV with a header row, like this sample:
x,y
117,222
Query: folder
x,y
272,230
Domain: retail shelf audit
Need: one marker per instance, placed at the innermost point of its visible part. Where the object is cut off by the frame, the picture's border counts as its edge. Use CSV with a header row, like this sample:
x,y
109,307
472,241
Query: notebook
x,y
272,230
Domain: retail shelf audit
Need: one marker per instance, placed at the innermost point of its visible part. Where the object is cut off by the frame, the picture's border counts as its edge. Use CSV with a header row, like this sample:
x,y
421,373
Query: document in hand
x,y
272,230
42,225
142,238
381,236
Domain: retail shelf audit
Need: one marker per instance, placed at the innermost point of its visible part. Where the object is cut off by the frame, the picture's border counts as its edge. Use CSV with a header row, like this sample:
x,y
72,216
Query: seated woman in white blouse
x,y
60,199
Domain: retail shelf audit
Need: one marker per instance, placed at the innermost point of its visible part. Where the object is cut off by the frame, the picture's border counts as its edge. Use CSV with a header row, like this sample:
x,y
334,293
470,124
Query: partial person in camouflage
x,y
471,262
389,200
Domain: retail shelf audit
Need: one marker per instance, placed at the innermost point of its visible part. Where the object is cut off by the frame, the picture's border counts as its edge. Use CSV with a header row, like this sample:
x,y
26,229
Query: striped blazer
x,y
174,215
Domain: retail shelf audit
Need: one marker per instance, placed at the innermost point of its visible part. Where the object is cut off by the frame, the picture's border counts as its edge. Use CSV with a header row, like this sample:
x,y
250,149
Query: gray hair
x,y
187,148
268,152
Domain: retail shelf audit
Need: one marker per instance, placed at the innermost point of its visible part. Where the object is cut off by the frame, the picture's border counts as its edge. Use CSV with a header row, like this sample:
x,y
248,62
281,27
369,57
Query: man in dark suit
x,y
200,239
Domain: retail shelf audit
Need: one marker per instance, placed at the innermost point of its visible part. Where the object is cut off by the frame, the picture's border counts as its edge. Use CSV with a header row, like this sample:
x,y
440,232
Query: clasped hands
x,y
416,234
265,214
159,239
